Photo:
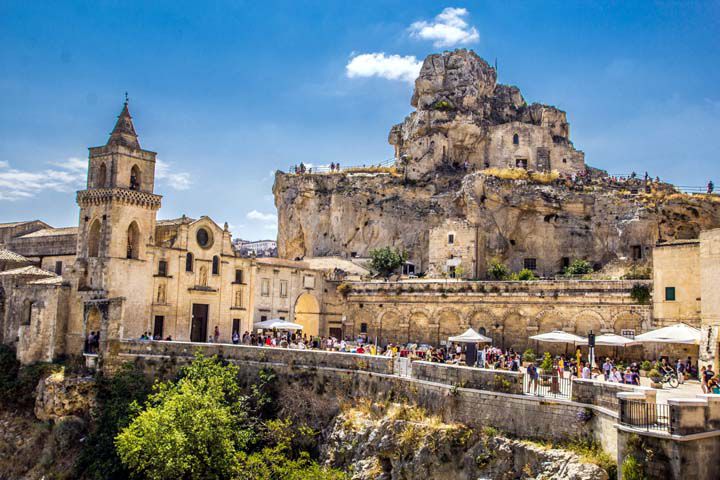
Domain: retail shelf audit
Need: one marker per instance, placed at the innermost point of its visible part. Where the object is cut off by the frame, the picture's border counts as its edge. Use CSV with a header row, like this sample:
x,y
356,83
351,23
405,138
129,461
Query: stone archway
x,y
307,313
485,323
419,328
515,332
385,327
449,323
587,320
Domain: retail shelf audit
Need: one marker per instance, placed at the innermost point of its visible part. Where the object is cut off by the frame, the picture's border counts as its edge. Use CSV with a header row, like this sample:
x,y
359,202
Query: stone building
x,y
685,288
123,272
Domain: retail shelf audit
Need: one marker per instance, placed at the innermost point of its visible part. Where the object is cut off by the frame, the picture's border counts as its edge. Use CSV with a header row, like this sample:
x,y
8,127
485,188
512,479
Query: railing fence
x,y
547,386
646,416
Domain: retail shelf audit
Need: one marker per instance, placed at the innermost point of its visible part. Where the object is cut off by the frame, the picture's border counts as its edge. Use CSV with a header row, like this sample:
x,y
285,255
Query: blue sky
x,y
226,92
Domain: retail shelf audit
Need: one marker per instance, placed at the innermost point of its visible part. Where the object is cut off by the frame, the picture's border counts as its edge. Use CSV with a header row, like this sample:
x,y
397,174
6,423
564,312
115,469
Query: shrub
x,y
497,270
547,363
443,105
528,355
654,374
385,261
632,469
578,267
526,275
640,293
344,289
646,366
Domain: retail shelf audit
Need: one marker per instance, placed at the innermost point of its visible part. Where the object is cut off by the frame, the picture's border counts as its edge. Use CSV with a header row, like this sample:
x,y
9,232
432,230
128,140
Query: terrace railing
x,y
547,386
645,416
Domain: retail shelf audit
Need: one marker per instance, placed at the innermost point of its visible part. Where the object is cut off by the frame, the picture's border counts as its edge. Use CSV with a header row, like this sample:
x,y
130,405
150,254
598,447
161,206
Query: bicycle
x,y
671,379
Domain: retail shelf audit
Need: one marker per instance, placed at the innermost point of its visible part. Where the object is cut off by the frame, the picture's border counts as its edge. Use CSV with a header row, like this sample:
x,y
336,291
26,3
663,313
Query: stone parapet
x,y
602,394
469,377
126,196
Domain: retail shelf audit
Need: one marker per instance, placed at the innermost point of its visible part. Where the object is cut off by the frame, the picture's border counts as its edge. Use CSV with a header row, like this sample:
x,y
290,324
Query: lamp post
x,y
591,349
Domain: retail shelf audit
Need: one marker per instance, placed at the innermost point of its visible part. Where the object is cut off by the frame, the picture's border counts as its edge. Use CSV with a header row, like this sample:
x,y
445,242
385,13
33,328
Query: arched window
x,y
133,241
482,331
216,265
203,281
101,180
135,180
93,241
516,139
189,262
27,312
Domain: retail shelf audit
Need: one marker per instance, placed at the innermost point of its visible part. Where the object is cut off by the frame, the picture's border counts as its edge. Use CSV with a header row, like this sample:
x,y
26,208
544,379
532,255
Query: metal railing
x,y
646,416
551,386
402,367
342,168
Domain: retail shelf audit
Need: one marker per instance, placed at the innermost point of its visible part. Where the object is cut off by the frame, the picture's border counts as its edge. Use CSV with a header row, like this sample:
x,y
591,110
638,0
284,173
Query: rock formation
x,y
465,123
401,443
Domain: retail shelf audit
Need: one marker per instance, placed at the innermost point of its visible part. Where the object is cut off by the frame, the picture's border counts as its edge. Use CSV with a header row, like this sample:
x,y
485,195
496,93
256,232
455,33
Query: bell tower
x,y
118,208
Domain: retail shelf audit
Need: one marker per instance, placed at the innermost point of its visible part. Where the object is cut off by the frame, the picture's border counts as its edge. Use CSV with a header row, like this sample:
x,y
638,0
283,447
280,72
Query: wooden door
x,y
198,331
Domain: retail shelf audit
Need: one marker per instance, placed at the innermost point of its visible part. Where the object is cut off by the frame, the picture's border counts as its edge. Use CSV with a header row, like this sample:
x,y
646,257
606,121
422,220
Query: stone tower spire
x,y
124,131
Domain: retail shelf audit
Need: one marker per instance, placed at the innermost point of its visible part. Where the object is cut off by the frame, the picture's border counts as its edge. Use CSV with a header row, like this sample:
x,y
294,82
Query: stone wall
x,y
509,312
469,377
602,394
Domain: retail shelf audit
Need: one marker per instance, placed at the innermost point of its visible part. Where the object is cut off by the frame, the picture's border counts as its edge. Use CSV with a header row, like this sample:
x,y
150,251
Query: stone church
x,y
123,272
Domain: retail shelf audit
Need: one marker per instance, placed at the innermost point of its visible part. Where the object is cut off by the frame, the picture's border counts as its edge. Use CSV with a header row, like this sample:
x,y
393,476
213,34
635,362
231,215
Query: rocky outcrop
x,y
321,215
400,442
58,396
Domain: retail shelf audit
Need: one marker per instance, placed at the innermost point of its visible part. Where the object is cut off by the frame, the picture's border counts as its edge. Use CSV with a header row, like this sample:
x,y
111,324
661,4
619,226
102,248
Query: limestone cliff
x,y
401,442
453,155
511,219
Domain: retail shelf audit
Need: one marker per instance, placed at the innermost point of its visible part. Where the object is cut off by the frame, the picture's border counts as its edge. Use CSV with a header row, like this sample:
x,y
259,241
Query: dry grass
x,y
522,174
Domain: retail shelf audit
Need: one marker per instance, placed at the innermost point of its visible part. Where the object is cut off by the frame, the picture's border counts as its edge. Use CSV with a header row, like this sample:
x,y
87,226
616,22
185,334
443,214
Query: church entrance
x,y
307,314
198,329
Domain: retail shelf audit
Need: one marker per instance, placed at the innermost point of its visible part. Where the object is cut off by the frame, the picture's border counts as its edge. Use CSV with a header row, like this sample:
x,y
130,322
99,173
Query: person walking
x,y
532,373
607,366
216,334
680,368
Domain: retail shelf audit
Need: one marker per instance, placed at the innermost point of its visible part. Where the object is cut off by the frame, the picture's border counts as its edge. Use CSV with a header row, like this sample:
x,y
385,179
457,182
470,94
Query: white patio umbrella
x,y
612,340
679,333
278,324
470,336
558,336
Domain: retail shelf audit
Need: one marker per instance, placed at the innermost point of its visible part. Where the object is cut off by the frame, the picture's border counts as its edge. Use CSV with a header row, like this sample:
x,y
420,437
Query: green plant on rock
x,y
640,293
344,289
443,105
632,469
501,384
637,272
578,267
526,275
498,270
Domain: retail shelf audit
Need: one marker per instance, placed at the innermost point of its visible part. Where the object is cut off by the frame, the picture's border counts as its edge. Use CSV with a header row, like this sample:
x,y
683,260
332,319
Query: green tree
x,y
385,261
498,270
578,267
547,363
191,429
526,275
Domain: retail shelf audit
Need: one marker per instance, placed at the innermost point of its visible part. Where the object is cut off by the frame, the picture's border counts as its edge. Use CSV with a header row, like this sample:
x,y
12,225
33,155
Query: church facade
x,y
123,272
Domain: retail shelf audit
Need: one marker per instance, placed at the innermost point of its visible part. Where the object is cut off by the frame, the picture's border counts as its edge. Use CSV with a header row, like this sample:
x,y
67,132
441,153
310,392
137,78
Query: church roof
x,y
27,271
8,256
57,280
124,131
51,232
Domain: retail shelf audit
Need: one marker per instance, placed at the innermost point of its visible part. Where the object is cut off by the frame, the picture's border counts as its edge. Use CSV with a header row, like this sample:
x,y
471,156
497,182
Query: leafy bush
x,y
654,374
525,275
385,261
646,366
578,267
528,355
443,105
640,293
632,469
498,270
547,363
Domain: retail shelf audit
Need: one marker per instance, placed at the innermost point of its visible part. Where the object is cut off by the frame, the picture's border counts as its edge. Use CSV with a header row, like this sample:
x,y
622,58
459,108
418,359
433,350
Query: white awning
x,y
470,336
612,340
558,336
678,333
277,324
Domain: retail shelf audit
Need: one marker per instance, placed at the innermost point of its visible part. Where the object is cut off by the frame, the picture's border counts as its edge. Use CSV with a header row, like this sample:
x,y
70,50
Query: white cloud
x,y
17,184
391,67
447,29
176,180
263,217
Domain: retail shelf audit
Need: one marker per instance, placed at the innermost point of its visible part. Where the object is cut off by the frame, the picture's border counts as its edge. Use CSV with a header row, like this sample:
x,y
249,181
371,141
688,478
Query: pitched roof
x,y
9,256
51,232
124,131
15,224
27,271
57,280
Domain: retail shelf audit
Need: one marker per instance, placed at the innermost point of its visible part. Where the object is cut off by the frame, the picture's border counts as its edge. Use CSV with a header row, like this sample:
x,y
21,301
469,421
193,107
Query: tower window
x,y
189,262
101,176
516,139
530,263
58,267
135,178
238,276
94,239
451,238
216,265
636,252
162,268
133,241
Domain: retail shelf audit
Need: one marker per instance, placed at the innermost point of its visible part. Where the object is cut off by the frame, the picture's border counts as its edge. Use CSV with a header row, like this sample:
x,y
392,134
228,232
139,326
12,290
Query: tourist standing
x,y
607,366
